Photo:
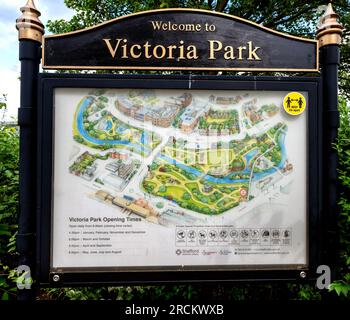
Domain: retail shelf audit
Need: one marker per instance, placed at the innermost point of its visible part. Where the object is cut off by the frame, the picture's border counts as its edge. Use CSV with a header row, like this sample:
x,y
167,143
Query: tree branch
x,y
221,5
292,17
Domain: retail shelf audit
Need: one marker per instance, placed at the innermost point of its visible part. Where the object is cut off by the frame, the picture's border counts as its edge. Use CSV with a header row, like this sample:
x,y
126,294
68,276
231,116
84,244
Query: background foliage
x,y
342,287
9,148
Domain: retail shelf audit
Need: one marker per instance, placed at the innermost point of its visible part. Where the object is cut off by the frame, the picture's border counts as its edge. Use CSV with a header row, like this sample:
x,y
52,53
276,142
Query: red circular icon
x,y
243,192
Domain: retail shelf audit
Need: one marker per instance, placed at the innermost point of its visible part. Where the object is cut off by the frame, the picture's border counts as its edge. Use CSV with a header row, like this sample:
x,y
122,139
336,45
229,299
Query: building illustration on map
x,y
180,157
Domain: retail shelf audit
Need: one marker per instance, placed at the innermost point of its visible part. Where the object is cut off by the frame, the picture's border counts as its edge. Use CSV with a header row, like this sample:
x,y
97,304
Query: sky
x,y
9,64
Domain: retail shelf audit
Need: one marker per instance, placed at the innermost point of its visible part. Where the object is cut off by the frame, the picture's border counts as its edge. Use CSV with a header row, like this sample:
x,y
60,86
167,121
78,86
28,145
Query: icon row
x,y
226,234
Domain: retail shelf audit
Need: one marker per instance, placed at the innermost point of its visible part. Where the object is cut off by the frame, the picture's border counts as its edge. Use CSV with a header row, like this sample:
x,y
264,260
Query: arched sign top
x,y
180,39
201,11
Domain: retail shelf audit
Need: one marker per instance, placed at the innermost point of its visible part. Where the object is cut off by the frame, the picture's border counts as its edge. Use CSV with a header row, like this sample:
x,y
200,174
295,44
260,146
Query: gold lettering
x,y
170,54
253,52
169,26
240,50
229,53
125,49
181,49
132,51
156,25
147,46
155,53
192,52
109,46
212,48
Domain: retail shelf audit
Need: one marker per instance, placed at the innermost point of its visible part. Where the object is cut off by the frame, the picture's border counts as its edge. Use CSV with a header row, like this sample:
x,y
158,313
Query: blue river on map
x,y
145,135
86,103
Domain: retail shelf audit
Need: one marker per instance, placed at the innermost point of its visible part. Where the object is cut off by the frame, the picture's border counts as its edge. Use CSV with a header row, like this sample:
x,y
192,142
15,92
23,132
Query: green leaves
x,y
340,287
9,198
3,102
5,296
5,230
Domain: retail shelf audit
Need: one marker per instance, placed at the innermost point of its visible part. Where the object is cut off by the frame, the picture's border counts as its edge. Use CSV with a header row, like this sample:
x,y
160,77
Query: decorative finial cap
x,y
329,29
28,24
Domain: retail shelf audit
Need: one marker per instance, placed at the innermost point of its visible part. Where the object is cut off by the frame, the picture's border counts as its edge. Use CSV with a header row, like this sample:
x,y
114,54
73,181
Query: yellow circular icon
x,y
294,103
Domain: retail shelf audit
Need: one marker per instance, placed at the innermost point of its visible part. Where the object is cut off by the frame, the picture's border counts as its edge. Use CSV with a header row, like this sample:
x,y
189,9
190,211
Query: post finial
x,y
329,29
28,24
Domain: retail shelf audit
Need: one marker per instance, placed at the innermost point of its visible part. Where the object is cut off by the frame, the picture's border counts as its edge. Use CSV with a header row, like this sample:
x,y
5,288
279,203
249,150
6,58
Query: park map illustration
x,y
178,157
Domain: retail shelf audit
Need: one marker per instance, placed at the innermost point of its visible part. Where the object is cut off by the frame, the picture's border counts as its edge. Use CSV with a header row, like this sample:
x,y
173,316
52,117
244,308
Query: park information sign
x,y
202,174
176,178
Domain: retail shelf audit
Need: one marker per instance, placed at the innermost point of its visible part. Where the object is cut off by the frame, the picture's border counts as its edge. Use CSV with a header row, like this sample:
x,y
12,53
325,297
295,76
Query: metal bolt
x,y
56,278
302,274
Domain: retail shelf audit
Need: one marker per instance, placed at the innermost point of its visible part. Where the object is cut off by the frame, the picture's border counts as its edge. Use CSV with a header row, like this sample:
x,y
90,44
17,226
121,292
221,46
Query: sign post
x,y
329,36
157,179
30,32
